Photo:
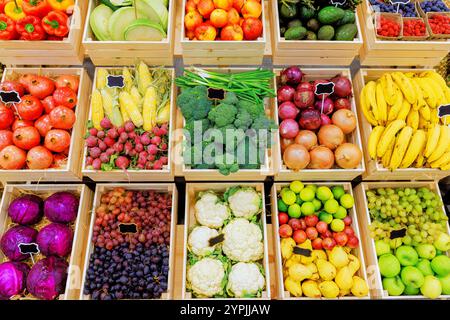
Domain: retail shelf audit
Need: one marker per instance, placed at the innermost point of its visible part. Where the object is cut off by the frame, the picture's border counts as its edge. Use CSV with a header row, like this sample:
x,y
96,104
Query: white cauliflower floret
x,y
199,240
210,212
245,279
243,241
205,277
245,202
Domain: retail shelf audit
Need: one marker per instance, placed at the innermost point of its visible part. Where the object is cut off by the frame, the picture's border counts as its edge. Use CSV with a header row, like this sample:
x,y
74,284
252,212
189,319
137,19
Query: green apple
x,y
431,287
382,247
294,211
426,251
341,213
324,193
289,197
338,192
347,201
445,284
442,243
337,225
411,291
394,286
296,186
307,194
331,206
282,207
317,204
407,255
307,208
441,265
389,265
325,217
424,266
411,276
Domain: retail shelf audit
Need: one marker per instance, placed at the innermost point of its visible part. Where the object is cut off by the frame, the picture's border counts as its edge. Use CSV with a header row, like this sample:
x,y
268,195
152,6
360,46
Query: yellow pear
x,y
311,289
299,272
359,288
343,293
319,254
329,289
338,257
354,263
315,276
295,258
294,287
312,267
344,278
287,247
327,270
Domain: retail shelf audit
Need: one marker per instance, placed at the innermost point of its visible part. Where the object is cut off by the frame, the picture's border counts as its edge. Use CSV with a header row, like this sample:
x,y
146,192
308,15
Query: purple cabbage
x,y
26,209
13,277
47,278
61,207
55,240
15,236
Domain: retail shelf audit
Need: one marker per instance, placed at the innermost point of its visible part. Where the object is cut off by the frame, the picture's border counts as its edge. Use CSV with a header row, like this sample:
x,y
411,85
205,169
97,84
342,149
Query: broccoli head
x,y
249,156
230,98
194,103
222,114
226,163
243,119
253,109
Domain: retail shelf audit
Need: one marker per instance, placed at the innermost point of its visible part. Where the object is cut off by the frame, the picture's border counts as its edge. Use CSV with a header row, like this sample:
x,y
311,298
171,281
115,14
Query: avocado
x,y
311,35
347,32
307,13
325,33
313,24
294,23
349,17
288,11
295,33
330,15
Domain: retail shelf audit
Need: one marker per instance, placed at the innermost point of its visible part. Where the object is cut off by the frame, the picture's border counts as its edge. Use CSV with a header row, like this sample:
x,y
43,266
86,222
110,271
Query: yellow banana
x,y
432,140
425,112
381,103
420,101
405,86
386,159
410,75
388,135
396,107
423,124
404,111
437,91
372,99
434,116
365,107
427,92
438,78
373,140
391,88
441,161
442,145
415,148
445,120
413,119
401,145
445,166
419,161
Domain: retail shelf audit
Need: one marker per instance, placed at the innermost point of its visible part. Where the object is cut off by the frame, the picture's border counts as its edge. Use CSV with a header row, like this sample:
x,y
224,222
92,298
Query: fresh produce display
x,y
130,20
389,27
317,20
35,19
226,245
47,220
129,126
231,131
223,20
316,241
314,128
403,111
414,28
413,263
405,9
130,265
439,24
36,132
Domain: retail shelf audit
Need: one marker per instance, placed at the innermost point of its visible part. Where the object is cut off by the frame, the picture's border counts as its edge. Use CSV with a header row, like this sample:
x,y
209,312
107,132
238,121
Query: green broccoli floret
x,y
254,109
264,123
222,114
226,163
194,103
230,98
196,127
243,119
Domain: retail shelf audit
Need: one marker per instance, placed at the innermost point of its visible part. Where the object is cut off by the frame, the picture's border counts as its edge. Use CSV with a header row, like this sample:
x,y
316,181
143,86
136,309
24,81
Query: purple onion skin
x,y
55,239
47,278
13,237
26,210
13,277
291,76
61,207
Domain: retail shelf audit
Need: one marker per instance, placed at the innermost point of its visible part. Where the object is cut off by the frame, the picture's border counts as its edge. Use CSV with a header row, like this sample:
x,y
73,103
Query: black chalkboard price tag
x,y
302,251
324,88
213,241
398,233
113,81
126,228
216,94
444,110
29,248
8,97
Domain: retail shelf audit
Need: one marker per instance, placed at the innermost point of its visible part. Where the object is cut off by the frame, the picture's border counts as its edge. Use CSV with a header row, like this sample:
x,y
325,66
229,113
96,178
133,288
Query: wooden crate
x,y
76,258
358,252
66,52
213,174
117,53
222,53
319,52
162,188
374,168
284,174
166,174
373,270
192,189
72,172
376,52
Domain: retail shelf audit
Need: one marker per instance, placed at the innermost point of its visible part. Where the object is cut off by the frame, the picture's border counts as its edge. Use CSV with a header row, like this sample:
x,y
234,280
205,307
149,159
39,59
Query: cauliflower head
x,y
243,241
245,280
210,211
198,241
205,277
244,202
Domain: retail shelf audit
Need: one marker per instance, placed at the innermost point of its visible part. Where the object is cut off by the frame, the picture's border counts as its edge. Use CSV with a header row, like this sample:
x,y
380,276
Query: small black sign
x,y
10,97
115,81
216,240
29,248
324,88
338,2
127,228
398,2
216,94
302,251
398,233
444,110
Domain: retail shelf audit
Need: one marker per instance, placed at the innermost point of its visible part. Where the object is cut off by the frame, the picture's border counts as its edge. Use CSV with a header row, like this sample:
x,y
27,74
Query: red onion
x,y
328,106
310,119
287,110
304,99
285,93
342,103
324,119
305,86
342,86
289,129
292,75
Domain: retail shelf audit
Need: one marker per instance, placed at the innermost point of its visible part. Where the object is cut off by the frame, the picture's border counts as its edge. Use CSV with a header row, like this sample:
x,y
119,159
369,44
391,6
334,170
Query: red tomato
x,y
68,80
26,79
43,124
39,158
62,118
6,138
59,160
6,117
57,140
65,97
30,108
12,86
41,87
22,123
26,137
12,157
49,104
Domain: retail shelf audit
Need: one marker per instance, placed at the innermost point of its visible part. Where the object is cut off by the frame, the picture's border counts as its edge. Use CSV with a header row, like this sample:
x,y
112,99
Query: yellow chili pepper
x,y
62,5
13,9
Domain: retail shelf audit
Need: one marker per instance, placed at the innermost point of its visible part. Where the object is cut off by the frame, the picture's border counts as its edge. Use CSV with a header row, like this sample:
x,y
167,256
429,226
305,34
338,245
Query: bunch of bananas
x,y
403,110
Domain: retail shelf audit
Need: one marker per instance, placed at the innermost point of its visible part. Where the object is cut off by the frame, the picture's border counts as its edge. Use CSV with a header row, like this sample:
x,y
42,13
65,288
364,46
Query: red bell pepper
x,y
56,23
29,28
38,8
7,28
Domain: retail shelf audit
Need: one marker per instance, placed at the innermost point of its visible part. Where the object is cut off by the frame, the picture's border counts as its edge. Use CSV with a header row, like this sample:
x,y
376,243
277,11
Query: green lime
x,y
282,207
324,193
325,217
296,186
347,201
317,204
284,190
307,194
337,225
312,187
331,206
308,208
289,197
338,192
294,211
341,213
299,200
